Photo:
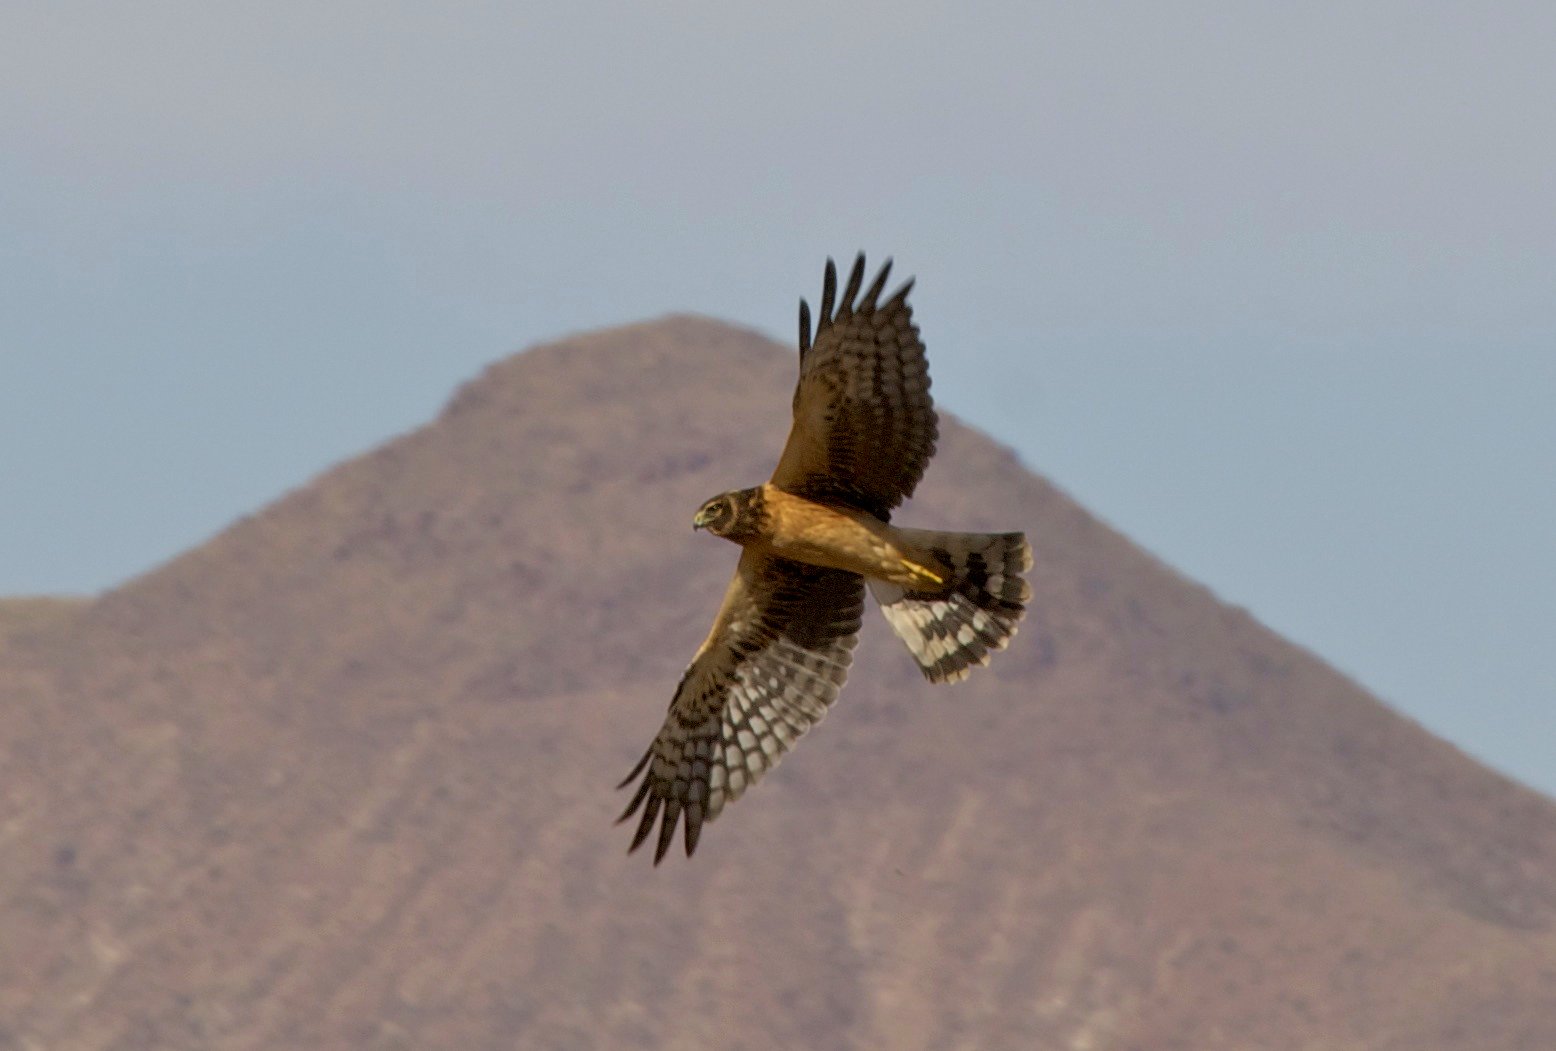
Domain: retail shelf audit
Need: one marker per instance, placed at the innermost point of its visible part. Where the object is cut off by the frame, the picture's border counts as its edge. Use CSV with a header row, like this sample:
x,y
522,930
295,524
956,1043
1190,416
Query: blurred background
x,y
1271,288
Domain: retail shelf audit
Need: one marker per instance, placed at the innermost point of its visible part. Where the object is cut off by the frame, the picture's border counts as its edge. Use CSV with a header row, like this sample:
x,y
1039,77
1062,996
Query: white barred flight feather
x,y
774,662
953,629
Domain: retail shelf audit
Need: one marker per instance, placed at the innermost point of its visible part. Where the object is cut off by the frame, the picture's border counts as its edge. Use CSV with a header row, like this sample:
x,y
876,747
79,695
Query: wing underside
x,y
775,660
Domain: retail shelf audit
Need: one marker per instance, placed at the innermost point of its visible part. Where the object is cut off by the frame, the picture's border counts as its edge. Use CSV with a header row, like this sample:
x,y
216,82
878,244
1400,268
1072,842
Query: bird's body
x,y
773,522
813,537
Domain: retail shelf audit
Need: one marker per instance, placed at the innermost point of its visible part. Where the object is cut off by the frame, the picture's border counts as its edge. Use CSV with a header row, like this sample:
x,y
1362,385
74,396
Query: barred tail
x,y
950,630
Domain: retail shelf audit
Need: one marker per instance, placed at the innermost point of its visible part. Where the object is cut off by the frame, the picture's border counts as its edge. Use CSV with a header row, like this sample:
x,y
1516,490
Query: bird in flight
x,y
812,539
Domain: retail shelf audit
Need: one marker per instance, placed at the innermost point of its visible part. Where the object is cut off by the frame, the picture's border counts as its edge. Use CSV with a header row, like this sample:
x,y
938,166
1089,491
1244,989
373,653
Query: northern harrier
x,y
813,537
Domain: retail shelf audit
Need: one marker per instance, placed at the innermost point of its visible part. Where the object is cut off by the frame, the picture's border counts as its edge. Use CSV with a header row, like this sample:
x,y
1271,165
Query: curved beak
x,y
700,521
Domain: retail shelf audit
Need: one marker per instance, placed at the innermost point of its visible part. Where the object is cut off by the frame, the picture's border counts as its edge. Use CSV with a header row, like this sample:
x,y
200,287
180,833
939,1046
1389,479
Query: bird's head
x,y
735,515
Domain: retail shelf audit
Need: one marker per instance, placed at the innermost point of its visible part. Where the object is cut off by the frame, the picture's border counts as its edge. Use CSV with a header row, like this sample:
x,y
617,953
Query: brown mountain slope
x,y
342,778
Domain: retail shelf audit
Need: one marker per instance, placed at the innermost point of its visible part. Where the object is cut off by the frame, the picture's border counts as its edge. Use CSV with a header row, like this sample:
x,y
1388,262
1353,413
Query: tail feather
x,y
954,628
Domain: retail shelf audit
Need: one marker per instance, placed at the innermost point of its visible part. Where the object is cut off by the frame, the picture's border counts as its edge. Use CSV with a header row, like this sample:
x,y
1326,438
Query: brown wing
x,y
864,425
775,659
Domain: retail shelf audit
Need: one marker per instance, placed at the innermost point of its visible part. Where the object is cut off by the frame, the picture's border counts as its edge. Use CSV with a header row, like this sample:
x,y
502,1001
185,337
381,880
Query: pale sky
x,y
1271,287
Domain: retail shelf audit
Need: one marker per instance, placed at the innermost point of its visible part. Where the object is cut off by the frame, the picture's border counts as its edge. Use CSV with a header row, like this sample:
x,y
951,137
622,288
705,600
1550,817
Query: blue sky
x,y
1270,287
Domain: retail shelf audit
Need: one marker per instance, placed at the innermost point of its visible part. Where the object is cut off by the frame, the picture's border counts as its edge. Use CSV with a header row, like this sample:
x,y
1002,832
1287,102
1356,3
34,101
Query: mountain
x,y
343,777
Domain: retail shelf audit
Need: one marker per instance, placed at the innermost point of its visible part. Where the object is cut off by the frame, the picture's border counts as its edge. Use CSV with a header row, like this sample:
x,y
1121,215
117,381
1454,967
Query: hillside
x,y
342,778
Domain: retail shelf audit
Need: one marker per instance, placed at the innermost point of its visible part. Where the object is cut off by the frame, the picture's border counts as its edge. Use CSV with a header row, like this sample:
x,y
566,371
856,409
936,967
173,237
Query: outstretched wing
x,y
774,661
864,425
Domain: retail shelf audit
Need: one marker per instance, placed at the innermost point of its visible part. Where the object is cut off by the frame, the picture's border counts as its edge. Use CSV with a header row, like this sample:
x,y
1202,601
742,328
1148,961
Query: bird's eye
x,y
716,509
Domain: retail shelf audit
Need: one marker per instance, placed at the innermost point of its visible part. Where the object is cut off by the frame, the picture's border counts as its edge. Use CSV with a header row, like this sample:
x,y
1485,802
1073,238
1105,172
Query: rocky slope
x,y
342,778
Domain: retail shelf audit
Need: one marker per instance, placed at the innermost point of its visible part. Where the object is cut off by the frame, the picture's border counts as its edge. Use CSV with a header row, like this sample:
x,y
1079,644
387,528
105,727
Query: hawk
x,y
813,538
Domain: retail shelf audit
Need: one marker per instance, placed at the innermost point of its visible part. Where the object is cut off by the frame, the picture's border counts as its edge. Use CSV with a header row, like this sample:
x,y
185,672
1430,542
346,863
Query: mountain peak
x,y
341,777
